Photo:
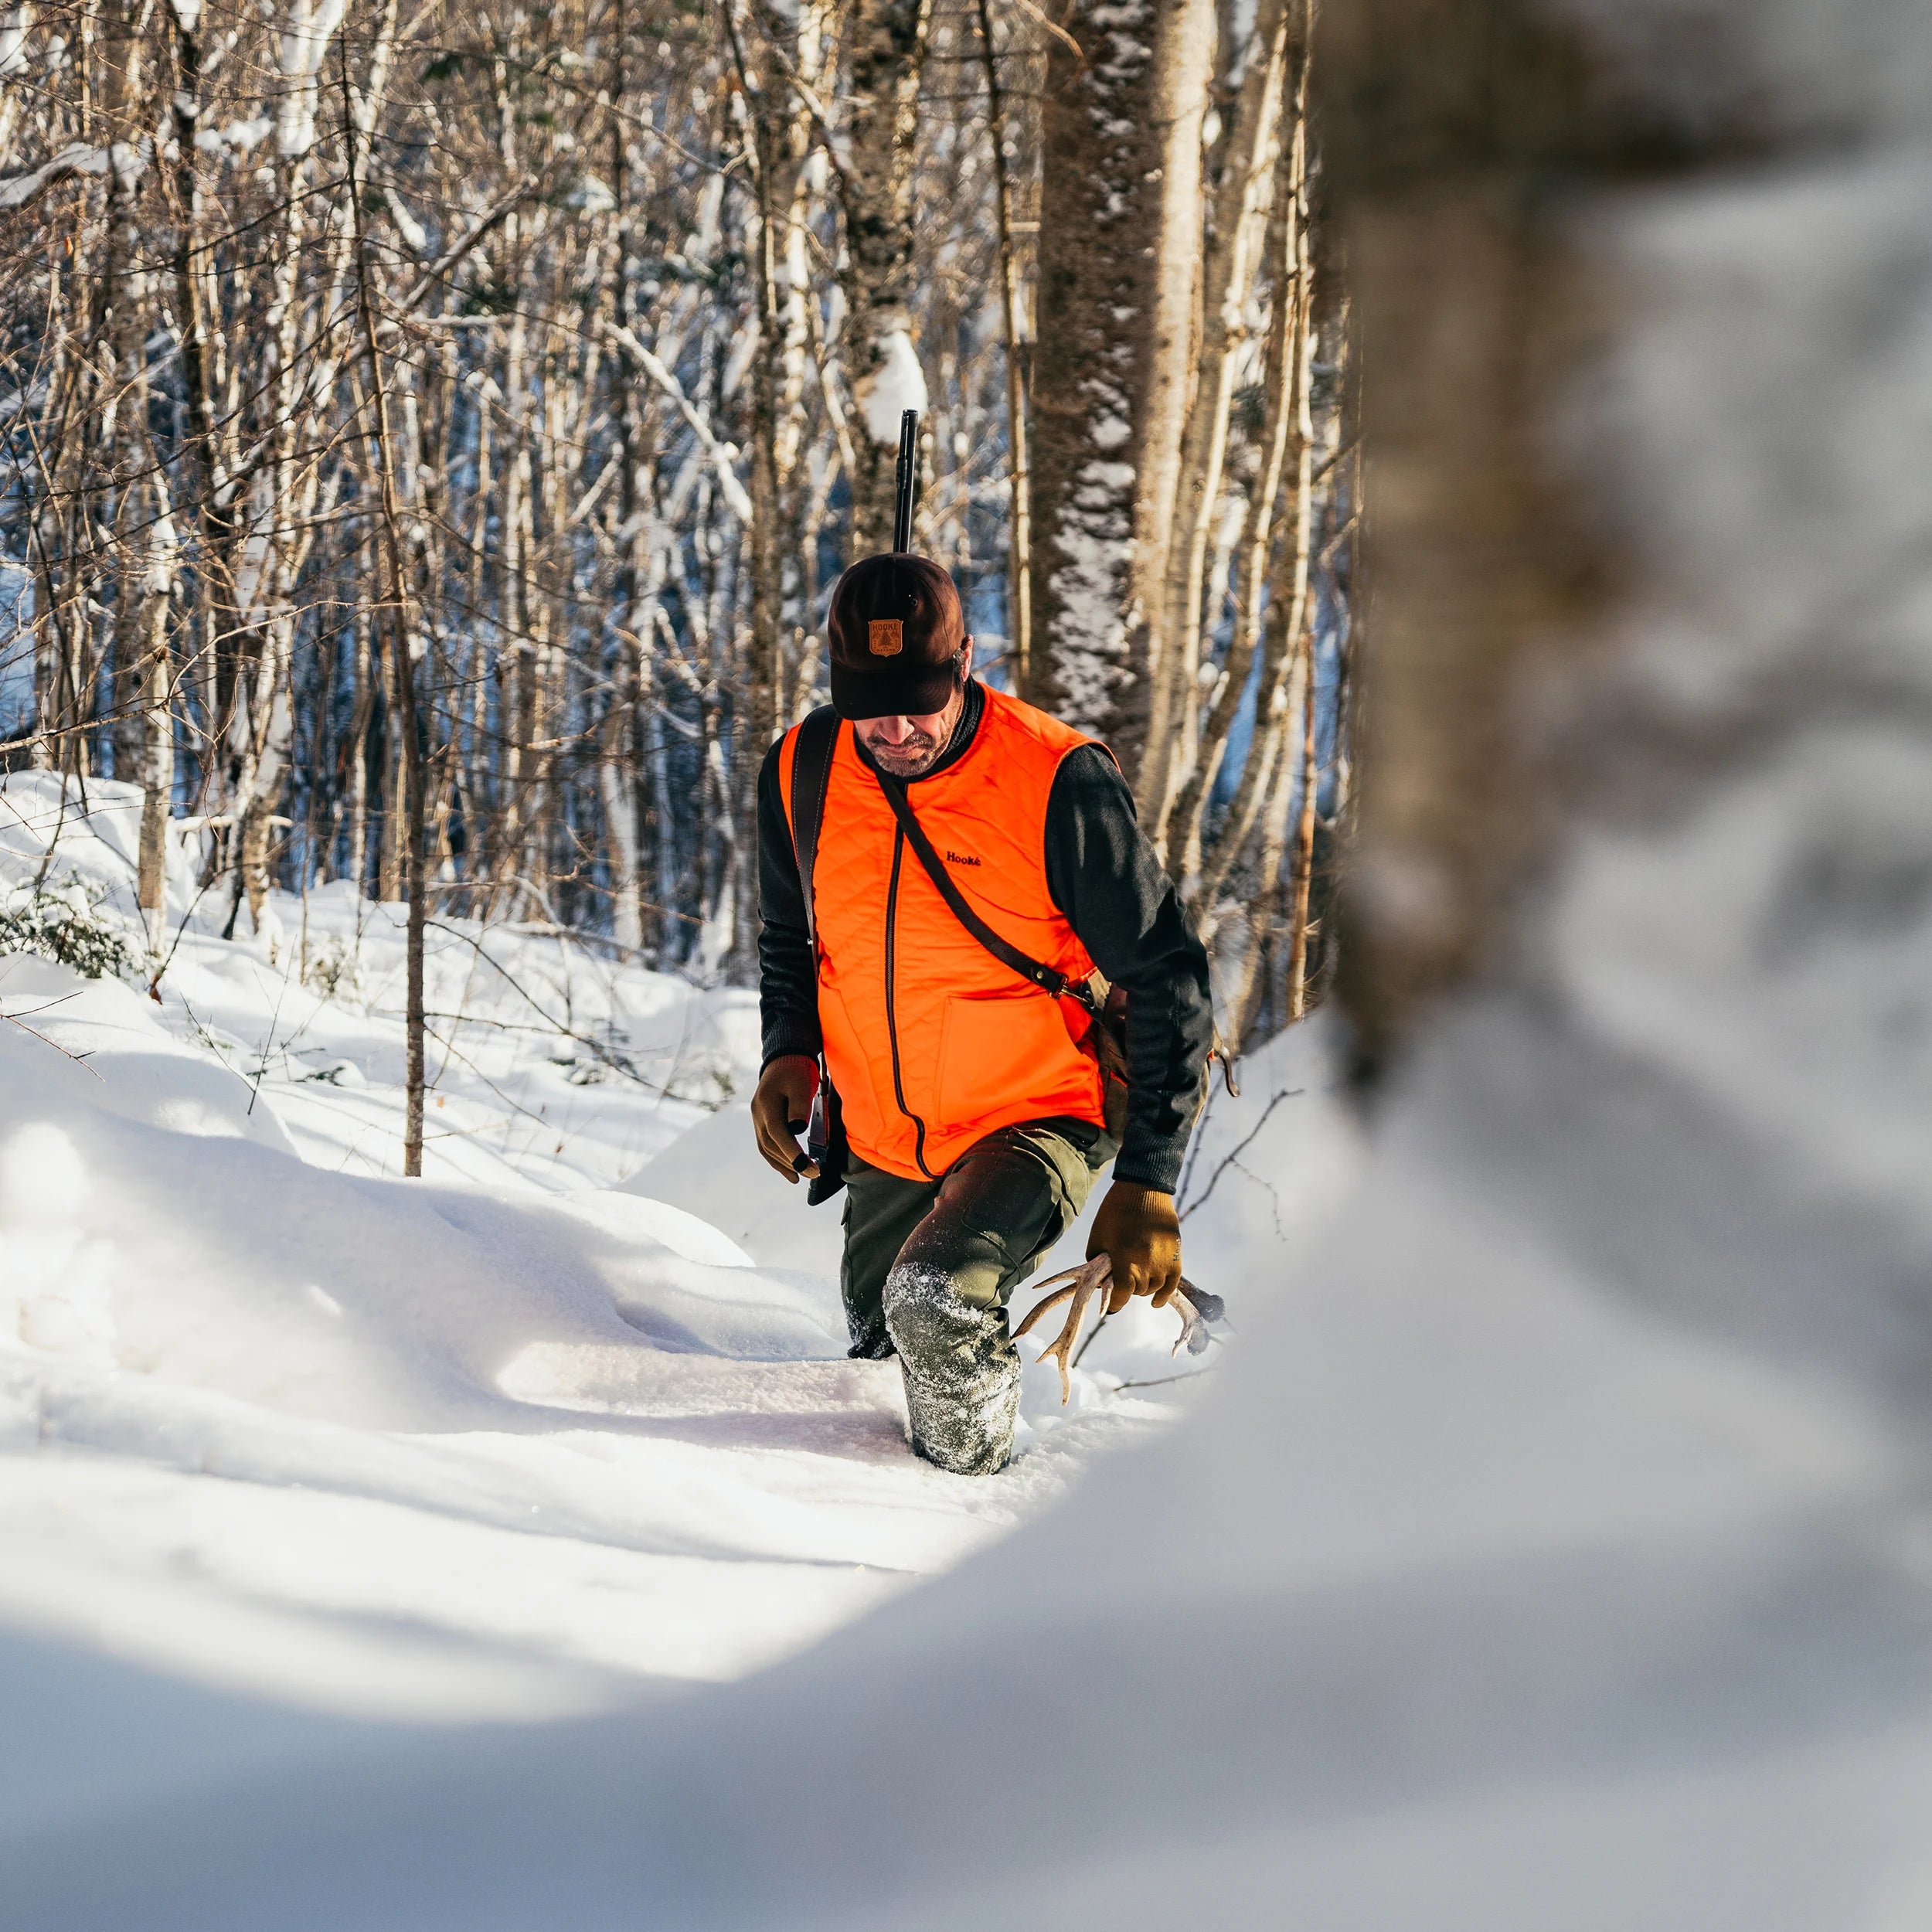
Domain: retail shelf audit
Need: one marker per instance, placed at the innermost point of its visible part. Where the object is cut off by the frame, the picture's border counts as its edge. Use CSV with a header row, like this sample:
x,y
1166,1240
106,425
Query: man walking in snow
x,y
941,869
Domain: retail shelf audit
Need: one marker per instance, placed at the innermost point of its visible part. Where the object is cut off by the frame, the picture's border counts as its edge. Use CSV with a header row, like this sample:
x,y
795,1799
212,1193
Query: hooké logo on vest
x,y
958,858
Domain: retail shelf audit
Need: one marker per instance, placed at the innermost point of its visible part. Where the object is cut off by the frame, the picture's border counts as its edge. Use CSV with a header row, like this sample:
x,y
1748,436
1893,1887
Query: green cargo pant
x,y
929,1265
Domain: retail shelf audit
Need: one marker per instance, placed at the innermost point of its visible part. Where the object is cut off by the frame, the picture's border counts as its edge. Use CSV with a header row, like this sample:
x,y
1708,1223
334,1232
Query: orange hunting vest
x,y
931,1043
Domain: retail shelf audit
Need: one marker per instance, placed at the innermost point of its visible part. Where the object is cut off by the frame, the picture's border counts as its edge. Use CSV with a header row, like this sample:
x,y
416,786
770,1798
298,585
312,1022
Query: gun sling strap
x,y
810,775
1002,950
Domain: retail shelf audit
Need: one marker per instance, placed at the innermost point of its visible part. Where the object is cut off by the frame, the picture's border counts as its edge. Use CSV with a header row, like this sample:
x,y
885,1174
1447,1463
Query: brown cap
x,y
896,630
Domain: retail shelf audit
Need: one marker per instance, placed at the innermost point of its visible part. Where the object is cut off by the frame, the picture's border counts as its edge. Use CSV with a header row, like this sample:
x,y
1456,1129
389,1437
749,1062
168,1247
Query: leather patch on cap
x,y
885,637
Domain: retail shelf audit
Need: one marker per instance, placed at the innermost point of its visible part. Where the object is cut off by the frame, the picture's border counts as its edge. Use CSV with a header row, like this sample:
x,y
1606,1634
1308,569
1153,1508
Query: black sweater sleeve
x,y
787,986
1105,877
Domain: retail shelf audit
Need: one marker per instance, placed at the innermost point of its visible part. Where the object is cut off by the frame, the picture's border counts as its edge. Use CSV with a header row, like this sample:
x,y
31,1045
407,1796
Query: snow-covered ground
x,y
567,1418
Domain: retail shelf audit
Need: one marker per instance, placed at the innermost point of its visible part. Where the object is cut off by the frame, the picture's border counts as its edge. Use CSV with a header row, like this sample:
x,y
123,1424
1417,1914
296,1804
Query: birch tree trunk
x,y
617,784
888,40
780,56
361,714
157,698
206,470
1120,247
1236,230
1302,872
1285,641
398,629
127,530
617,736
1012,311
1283,384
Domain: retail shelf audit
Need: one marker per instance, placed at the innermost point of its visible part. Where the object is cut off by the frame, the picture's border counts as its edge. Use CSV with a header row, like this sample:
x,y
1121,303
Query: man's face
x,y
910,746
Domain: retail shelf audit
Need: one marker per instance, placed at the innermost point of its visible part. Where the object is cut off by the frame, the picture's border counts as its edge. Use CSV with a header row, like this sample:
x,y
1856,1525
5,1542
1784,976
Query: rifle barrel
x,y
906,480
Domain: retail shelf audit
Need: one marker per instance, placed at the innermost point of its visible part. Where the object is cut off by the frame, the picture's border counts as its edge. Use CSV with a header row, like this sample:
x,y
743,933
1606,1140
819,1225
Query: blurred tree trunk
x,y
1470,311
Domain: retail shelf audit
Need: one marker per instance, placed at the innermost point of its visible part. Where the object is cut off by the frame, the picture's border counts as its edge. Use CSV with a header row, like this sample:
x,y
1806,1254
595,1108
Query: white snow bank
x,y
237,1268
548,1063
1476,1585
123,1059
580,1433
703,1170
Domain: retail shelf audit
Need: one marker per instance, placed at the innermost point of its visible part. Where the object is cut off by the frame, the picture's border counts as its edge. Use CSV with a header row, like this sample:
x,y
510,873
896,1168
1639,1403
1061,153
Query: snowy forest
x,y
436,429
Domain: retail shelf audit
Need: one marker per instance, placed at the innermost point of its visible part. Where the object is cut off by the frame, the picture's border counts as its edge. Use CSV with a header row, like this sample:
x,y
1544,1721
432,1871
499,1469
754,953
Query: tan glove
x,y
1138,1231
780,1110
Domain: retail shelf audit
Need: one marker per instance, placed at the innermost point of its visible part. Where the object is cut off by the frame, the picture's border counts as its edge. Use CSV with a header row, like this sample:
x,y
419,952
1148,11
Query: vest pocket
x,y
851,1069
999,1050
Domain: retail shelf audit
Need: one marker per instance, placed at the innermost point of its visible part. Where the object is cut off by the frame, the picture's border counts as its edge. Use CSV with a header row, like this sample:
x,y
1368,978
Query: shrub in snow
x,y
703,1078
65,923
339,1072
334,971
701,1075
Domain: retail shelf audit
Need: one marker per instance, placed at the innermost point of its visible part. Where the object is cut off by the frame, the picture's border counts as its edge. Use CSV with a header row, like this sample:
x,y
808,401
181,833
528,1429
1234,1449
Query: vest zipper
x,y
892,1023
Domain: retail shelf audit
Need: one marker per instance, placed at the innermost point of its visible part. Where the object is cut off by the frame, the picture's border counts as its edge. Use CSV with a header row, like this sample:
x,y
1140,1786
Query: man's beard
x,y
908,758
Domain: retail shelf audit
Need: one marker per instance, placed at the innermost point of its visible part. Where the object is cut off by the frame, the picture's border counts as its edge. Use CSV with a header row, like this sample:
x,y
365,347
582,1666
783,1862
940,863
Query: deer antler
x,y
1195,1307
1083,1285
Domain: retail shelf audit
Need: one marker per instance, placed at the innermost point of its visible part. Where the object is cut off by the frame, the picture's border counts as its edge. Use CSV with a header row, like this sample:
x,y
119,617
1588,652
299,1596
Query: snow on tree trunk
x,y
774,45
1120,248
888,55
